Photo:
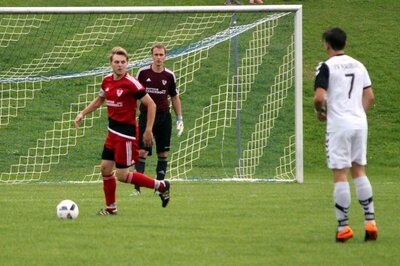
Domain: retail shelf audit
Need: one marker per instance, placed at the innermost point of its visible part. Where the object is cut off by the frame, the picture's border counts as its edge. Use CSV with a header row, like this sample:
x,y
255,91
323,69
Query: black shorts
x,y
161,131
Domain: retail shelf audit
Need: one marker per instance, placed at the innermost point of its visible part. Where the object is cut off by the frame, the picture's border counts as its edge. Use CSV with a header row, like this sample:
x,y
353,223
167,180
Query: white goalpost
x,y
238,70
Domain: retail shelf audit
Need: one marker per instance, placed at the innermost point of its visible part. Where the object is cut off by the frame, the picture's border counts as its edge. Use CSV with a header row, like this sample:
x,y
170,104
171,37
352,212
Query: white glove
x,y
179,126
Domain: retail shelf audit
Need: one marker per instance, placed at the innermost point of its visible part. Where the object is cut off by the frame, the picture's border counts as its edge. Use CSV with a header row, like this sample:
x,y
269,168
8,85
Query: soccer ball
x,y
67,209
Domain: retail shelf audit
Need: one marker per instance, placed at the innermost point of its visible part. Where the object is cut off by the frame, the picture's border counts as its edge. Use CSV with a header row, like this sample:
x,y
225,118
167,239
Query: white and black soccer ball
x,y
67,209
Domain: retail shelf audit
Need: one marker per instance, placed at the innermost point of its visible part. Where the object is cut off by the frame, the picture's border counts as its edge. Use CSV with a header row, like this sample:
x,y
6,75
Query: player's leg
x,y
338,158
109,182
140,165
126,153
162,163
362,184
342,200
162,135
141,180
364,194
140,168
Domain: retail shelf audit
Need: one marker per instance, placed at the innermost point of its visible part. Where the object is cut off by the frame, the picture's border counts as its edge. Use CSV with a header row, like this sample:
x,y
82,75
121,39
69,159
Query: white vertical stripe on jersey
x,y
128,152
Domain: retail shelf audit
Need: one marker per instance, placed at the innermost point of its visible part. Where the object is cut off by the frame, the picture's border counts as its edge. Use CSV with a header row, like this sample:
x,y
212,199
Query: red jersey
x,y
121,99
158,86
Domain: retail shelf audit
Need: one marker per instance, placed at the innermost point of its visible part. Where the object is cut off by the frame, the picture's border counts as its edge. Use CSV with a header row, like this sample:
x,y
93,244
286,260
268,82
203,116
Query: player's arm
x,y
368,98
319,100
319,103
176,104
320,87
151,113
96,103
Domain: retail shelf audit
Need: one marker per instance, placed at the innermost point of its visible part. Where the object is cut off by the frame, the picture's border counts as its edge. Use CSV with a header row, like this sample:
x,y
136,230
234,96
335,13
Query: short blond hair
x,y
119,51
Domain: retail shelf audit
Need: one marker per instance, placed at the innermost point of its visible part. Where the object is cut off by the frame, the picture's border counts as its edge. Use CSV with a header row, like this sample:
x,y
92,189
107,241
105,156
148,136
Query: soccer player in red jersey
x,y
160,84
121,91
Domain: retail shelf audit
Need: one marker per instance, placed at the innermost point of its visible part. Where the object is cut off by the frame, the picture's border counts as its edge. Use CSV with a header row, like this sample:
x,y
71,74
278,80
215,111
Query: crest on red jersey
x,y
119,92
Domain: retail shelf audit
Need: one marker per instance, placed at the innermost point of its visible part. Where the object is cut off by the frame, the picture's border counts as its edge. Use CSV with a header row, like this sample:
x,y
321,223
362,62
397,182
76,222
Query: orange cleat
x,y
345,235
371,231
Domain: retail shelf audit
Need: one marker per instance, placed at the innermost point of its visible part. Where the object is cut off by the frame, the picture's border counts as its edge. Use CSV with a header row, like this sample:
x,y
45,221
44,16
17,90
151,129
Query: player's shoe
x,y
344,235
164,195
371,231
108,211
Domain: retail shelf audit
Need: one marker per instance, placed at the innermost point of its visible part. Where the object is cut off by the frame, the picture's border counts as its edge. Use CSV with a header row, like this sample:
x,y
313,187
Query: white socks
x,y
364,195
342,198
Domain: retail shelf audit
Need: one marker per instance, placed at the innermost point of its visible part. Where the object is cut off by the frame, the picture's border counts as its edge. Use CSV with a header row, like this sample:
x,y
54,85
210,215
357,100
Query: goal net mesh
x,y
235,73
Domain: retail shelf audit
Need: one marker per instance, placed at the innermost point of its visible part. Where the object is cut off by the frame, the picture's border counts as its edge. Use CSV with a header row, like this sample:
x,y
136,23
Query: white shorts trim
x,y
121,135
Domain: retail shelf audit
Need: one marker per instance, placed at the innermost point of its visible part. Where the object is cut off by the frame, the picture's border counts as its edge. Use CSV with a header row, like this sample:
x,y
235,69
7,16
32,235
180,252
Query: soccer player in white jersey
x,y
343,96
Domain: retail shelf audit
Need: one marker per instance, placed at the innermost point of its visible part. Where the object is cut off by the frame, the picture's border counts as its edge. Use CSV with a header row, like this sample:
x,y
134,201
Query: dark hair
x,y
336,38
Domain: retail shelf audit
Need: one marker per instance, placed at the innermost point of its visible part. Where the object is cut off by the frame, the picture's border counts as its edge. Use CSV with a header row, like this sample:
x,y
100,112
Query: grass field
x,y
233,223
205,224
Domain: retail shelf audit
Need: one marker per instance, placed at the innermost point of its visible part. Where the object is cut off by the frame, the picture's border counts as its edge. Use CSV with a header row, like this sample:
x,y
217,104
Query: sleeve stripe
x,y
135,82
141,70
170,72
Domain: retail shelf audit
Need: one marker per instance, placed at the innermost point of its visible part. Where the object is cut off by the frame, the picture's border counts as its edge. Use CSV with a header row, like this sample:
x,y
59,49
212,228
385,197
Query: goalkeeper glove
x,y
179,125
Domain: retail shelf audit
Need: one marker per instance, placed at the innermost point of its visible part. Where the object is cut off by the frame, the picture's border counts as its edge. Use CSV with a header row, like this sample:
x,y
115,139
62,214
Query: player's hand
x,y
78,120
179,127
321,116
321,113
148,138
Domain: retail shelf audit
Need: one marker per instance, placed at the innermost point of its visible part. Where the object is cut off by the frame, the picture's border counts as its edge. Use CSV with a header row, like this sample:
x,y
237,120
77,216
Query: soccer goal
x,y
238,69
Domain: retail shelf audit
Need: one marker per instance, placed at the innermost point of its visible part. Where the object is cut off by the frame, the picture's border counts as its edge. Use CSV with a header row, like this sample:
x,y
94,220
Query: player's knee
x,y
121,175
106,171
357,170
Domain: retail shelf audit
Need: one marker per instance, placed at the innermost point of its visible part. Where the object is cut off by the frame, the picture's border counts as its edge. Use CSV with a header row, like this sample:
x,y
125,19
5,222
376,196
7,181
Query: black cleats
x,y
164,195
107,211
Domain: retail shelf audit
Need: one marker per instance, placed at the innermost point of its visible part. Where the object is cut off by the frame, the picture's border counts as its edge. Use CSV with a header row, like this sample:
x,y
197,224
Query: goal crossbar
x,y
156,9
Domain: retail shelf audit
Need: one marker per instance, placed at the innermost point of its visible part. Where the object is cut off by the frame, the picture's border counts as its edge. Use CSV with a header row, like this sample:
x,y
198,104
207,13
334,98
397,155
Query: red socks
x,y
109,187
141,180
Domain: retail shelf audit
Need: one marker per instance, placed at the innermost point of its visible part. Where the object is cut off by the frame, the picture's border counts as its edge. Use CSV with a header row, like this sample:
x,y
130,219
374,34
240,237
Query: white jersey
x,y
344,79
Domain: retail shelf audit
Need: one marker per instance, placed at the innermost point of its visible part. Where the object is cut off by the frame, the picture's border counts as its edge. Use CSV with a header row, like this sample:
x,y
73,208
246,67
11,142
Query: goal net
x,y
238,70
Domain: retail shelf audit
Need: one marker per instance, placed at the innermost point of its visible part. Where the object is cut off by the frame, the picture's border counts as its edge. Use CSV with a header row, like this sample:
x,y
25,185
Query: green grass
x,y
205,224
231,223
